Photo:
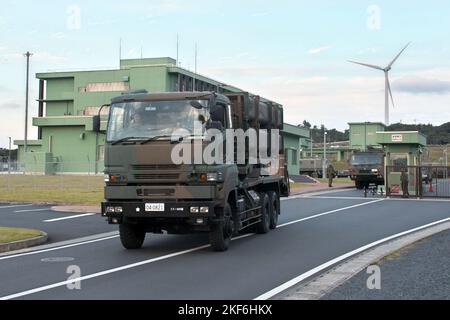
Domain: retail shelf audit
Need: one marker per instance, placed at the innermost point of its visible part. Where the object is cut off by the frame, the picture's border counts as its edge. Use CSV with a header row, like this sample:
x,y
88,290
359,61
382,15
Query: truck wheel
x,y
221,233
132,236
264,225
358,185
274,201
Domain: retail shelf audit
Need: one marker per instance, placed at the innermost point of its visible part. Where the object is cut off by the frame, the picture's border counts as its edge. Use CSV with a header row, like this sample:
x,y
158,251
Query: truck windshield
x,y
149,119
367,159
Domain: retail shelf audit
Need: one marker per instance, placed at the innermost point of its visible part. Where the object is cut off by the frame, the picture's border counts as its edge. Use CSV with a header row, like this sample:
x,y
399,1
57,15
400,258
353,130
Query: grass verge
x,y
76,190
8,235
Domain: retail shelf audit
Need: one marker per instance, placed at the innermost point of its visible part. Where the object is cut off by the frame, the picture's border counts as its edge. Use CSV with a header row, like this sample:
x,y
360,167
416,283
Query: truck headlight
x,y
106,177
195,209
110,209
212,176
374,170
204,209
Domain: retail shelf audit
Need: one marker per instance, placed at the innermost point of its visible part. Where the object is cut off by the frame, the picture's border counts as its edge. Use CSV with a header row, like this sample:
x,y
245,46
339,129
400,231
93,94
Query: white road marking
x,y
71,217
58,248
134,265
16,206
328,212
32,210
341,258
338,198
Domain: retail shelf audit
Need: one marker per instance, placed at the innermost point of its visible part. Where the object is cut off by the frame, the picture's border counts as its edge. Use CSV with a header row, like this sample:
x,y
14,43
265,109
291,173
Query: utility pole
x,y
27,55
195,67
324,165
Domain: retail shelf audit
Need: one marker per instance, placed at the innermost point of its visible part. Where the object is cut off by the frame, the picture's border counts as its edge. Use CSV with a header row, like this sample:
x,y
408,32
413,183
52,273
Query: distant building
x,y
296,141
364,134
68,101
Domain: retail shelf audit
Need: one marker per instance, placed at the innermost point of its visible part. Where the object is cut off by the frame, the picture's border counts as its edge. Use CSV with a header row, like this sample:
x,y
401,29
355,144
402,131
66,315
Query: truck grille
x,y
155,192
365,171
146,167
157,176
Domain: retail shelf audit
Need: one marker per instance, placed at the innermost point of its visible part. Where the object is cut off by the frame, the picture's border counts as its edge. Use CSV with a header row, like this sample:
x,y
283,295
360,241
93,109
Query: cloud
x,y
420,85
367,51
58,35
318,50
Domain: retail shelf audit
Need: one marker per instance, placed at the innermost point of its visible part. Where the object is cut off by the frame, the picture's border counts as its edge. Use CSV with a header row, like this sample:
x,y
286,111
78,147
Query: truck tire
x,y
264,225
358,185
221,233
132,236
274,201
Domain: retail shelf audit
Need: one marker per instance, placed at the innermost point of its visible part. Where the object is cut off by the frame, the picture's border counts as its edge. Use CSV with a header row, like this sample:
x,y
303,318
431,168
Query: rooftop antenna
x,y
120,49
178,47
388,91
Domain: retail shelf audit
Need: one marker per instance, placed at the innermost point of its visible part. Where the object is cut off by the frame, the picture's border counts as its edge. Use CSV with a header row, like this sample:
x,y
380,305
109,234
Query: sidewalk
x,y
322,186
419,271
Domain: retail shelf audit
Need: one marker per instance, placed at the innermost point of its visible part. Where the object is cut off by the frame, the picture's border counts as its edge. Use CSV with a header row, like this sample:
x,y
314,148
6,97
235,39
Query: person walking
x,y
404,181
331,173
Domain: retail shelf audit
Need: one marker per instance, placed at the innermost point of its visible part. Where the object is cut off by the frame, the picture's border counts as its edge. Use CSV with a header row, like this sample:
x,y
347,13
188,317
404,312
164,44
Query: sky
x,y
293,52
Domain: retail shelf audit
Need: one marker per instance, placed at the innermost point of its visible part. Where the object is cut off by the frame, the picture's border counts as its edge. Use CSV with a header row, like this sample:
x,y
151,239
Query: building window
x,y
294,157
399,161
101,153
105,87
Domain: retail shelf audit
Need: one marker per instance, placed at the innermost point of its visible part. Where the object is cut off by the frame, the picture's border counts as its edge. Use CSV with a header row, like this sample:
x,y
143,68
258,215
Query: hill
x,y
437,135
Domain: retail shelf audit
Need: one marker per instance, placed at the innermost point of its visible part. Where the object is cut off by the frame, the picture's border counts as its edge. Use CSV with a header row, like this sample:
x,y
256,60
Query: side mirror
x,y
217,113
197,105
214,125
96,124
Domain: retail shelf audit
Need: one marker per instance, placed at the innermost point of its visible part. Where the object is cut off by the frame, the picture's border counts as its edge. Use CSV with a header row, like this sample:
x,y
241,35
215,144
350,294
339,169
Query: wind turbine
x,y
388,91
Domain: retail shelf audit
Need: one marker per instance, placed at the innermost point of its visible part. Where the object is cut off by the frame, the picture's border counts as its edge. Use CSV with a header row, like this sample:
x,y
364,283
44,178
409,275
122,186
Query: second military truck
x,y
367,167
146,192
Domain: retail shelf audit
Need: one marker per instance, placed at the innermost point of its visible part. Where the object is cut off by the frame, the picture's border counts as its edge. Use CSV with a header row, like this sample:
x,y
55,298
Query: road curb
x,y
77,209
59,244
23,244
323,284
321,190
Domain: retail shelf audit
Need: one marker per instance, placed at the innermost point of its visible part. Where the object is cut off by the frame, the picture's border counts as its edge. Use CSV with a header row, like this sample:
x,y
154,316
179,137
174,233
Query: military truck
x,y
367,167
312,167
147,192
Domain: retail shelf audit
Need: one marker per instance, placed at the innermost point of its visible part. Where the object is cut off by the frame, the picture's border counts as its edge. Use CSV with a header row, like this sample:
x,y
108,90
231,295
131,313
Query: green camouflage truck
x,y
147,191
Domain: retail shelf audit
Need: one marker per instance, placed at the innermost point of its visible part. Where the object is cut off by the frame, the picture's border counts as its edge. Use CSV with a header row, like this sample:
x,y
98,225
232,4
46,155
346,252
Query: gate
x,y
423,181
435,181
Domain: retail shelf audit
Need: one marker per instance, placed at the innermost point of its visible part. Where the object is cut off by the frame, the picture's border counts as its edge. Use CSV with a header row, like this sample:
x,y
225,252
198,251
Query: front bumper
x,y
171,209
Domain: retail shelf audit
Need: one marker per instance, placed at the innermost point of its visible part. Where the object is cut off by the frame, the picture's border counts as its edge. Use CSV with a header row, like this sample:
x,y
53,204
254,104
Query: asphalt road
x,y
313,230
60,226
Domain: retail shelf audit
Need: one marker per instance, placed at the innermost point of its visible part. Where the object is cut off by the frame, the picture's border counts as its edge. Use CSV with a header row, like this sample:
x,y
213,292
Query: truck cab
x,y
366,168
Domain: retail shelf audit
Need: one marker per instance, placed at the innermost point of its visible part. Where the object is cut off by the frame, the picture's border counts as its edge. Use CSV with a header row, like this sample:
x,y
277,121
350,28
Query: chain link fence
x,y
87,176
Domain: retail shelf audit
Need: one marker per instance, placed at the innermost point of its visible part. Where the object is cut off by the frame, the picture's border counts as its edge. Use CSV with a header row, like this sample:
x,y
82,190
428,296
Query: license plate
x,y
154,207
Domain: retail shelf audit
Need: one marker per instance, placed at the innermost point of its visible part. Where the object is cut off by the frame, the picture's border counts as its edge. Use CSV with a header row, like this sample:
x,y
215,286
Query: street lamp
x,y
324,165
27,55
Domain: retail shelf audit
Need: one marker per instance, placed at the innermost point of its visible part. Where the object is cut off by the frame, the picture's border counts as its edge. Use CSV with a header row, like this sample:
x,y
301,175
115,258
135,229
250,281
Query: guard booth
x,y
403,150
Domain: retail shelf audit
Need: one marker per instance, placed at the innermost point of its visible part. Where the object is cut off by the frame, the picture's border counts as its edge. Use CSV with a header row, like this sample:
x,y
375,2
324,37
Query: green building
x,y
296,141
69,100
364,134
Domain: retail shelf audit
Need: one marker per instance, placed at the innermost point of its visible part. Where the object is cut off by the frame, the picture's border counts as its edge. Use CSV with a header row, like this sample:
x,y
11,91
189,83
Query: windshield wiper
x,y
155,138
125,140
